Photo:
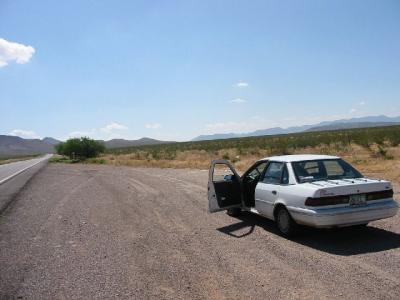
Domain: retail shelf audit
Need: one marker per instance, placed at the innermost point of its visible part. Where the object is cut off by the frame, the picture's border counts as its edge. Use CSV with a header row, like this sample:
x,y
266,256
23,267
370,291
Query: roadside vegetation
x,y
79,150
372,150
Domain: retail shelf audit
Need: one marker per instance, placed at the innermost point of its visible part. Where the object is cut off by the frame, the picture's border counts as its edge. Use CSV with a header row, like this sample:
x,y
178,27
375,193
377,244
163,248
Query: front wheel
x,y
286,225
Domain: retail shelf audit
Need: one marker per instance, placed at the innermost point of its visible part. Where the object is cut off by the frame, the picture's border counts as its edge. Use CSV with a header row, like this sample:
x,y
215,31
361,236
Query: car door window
x,y
222,173
256,173
224,186
273,174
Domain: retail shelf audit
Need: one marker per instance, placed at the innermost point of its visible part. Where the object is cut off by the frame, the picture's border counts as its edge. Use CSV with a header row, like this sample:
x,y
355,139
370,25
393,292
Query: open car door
x,y
224,186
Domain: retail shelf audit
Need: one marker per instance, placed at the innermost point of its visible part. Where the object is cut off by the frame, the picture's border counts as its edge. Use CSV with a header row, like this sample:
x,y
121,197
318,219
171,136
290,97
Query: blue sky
x,y
176,69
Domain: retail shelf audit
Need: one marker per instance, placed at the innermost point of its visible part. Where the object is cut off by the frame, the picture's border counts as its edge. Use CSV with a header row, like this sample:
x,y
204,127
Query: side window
x,y
261,167
256,172
274,173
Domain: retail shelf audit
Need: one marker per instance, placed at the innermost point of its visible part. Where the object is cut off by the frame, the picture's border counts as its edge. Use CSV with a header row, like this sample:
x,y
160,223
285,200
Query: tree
x,y
80,148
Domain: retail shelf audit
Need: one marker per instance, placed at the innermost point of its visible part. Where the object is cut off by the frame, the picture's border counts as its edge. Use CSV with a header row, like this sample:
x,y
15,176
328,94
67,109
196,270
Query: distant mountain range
x,y
50,141
120,143
339,126
17,146
371,121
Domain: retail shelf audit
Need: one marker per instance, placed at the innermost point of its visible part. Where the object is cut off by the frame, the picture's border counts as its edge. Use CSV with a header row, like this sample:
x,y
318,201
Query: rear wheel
x,y
286,225
234,211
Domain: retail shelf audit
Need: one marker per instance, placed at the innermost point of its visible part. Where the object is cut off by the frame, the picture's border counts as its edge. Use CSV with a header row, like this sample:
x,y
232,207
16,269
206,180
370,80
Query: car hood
x,y
325,188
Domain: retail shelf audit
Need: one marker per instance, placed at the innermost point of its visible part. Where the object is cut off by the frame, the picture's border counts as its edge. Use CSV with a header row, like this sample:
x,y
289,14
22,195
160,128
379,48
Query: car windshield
x,y
324,169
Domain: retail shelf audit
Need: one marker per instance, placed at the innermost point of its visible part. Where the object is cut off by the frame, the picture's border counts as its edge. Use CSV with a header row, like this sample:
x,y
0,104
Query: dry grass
x,y
369,161
376,166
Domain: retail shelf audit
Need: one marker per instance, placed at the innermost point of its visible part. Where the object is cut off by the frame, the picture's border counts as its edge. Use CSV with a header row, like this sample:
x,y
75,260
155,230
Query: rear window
x,y
325,169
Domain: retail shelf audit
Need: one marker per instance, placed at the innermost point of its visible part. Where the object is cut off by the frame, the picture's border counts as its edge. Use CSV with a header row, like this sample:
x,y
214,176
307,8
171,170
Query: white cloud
x,y
153,126
26,134
352,110
113,126
109,131
77,134
238,100
10,51
242,84
361,103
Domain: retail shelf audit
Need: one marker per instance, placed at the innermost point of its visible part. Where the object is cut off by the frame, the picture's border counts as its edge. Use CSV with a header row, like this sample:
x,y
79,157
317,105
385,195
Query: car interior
x,y
324,169
267,172
226,185
228,190
250,180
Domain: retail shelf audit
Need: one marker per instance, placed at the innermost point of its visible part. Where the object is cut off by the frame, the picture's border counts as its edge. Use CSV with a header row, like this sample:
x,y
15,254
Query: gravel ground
x,y
87,231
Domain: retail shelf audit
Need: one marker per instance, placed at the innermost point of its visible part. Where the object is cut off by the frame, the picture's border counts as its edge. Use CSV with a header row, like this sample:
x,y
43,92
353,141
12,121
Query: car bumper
x,y
344,216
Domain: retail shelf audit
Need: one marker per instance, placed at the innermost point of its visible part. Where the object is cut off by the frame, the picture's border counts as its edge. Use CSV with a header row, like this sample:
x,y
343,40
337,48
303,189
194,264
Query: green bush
x,y
225,156
94,160
80,148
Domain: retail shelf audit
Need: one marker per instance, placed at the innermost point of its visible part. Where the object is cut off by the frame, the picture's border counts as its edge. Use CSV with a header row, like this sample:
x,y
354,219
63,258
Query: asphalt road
x,y
85,231
14,176
11,169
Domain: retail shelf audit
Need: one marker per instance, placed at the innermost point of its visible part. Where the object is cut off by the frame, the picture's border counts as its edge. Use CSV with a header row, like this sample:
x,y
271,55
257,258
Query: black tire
x,y
359,226
234,211
285,223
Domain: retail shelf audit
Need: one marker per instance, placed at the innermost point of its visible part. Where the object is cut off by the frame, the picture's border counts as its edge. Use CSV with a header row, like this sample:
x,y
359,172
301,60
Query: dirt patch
x,y
95,231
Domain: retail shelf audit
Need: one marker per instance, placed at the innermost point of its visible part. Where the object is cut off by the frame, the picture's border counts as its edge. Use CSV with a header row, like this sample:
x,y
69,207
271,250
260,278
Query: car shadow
x,y
340,241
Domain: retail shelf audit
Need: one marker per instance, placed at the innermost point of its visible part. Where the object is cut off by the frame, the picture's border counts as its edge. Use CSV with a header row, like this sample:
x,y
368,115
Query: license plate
x,y
357,200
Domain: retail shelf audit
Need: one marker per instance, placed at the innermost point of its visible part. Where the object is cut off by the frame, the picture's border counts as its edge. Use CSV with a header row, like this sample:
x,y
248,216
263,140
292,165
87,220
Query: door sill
x,y
254,211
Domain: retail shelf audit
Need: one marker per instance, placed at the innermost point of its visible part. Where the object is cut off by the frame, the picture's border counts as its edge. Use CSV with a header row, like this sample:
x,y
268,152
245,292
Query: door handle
x,y
273,192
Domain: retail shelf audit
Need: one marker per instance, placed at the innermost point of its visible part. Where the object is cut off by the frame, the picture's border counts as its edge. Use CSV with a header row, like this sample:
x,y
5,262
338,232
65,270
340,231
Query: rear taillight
x,y
322,201
380,195
327,201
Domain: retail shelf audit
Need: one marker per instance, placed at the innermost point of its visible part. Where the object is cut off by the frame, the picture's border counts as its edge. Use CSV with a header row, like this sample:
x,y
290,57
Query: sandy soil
x,y
93,231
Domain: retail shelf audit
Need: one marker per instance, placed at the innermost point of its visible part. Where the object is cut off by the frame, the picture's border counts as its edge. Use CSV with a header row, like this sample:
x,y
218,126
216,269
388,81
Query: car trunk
x,y
349,186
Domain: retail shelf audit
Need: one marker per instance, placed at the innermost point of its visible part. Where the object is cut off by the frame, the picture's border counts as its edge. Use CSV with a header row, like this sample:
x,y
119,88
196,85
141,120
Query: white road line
x,y
24,169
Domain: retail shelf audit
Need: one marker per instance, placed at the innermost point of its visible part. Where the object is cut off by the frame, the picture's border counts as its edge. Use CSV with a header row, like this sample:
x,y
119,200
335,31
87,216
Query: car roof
x,y
299,157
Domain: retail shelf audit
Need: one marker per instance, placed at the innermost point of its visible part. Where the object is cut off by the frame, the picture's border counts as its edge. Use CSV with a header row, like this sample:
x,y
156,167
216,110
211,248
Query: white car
x,y
315,190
